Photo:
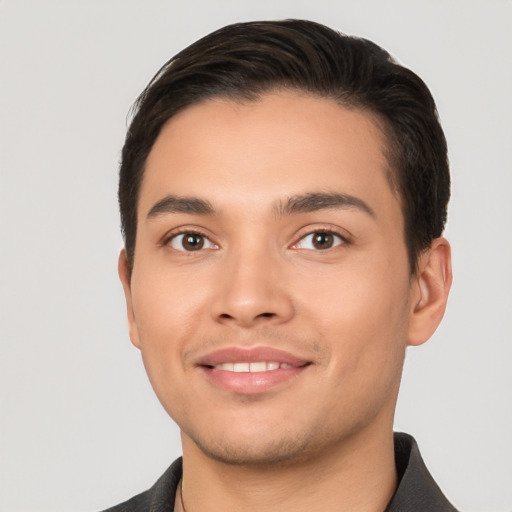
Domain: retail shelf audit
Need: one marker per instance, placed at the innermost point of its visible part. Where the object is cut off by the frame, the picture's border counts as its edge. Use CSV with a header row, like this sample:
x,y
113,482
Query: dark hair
x,y
245,60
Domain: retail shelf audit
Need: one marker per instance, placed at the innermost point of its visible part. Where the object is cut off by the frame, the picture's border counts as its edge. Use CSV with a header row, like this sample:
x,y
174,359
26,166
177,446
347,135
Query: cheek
x,y
165,302
362,312
166,315
165,321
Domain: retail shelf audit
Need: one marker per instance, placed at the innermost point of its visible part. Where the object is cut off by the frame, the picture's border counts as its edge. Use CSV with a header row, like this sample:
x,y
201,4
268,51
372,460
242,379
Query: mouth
x,y
255,367
251,371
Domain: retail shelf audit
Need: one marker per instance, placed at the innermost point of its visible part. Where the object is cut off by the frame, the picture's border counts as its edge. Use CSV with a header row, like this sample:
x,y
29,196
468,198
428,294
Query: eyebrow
x,y
312,202
304,203
177,204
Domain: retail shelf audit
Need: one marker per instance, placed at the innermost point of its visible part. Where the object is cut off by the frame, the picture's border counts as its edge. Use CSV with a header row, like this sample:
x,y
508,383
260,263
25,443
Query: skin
x,y
321,440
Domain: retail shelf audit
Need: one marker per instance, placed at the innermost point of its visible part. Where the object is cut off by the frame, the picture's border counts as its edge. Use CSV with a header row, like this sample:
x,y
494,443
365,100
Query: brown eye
x,y
323,240
190,242
320,240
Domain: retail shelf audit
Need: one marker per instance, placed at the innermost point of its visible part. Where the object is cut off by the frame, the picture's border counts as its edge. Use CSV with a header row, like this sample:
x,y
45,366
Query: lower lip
x,y
251,383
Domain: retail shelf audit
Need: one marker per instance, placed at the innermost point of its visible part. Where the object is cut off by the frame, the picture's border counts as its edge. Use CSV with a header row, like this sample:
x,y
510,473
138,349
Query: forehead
x,y
282,144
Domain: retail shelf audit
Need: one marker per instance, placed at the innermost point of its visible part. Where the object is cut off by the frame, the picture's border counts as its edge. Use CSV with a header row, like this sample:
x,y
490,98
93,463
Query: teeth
x,y
259,366
241,367
225,366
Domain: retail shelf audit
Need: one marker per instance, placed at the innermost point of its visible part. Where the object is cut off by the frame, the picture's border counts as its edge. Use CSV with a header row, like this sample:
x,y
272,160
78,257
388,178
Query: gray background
x,y
80,428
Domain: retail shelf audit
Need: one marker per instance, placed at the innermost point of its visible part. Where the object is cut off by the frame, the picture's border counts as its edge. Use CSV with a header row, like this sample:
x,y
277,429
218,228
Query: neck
x,y
357,476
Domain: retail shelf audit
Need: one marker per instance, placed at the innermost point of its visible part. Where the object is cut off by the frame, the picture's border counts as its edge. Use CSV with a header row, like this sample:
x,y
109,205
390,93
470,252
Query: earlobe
x,y
125,277
431,286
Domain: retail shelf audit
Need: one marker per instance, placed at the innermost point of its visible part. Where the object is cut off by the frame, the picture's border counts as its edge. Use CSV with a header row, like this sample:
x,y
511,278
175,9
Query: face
x,y
271,296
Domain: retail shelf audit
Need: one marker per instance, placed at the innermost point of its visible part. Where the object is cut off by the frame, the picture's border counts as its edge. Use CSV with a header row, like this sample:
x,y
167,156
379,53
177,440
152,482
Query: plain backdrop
x,y
79,424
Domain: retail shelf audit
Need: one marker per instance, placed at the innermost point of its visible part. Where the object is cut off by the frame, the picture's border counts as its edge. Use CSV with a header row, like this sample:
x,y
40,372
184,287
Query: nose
x,y
252,291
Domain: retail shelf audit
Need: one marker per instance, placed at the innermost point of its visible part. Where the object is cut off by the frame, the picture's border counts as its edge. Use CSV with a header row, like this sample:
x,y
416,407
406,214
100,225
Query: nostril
x,y
245,319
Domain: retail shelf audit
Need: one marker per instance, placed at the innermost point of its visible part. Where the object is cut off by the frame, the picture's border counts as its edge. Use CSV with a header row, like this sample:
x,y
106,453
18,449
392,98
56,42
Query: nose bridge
x,y
251,290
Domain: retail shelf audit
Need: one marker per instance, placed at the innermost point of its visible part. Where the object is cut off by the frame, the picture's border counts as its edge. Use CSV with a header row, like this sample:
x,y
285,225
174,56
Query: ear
x,y
429,292
125,277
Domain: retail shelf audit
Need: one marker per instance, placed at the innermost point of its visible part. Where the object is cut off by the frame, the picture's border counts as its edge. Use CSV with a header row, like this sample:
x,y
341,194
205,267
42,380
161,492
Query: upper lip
x,y
250,355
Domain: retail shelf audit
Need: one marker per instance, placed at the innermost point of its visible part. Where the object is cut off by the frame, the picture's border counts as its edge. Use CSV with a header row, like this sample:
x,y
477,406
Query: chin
x,y
255,451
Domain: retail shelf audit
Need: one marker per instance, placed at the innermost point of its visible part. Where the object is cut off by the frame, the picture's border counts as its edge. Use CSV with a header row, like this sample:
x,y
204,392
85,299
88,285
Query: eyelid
x,y
184,230
345,237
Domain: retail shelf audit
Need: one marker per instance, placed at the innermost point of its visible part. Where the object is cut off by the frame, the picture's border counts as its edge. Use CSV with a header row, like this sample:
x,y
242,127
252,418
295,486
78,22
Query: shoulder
x,y
159,498
416,489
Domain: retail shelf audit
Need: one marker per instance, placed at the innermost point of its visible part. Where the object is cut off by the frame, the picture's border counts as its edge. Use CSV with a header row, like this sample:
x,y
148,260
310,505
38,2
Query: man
x,y
283,192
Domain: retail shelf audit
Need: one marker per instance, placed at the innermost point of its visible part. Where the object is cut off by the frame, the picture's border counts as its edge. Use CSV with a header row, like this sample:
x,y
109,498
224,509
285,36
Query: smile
x,y
256,367
251,371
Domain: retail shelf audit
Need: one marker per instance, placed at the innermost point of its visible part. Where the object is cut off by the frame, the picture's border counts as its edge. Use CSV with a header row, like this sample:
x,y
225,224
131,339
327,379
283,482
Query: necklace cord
x,y
181,496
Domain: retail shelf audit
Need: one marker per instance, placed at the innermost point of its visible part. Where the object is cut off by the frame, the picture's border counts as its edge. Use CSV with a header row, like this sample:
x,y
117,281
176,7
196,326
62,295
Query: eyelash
x,y
328,231
324,231
168,240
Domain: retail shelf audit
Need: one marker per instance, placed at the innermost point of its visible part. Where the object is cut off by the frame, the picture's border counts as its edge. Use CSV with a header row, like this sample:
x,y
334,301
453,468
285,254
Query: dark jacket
x,y
416,491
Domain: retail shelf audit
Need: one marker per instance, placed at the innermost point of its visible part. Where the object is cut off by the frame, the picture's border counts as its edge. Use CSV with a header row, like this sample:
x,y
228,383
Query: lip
x,y
247,383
